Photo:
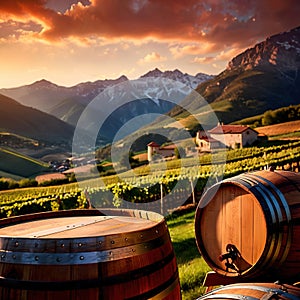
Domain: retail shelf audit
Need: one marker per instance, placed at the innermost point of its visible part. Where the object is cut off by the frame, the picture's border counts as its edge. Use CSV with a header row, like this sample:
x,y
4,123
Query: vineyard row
x,y
177,182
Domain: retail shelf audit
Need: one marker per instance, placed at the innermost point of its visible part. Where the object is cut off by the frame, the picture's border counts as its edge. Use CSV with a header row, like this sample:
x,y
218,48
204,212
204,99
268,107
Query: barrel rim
x,y
199,240
15,246
150,215
256,183
284,290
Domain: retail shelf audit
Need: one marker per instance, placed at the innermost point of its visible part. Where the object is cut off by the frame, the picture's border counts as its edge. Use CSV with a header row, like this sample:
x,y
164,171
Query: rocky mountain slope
x,y
266,76
176,75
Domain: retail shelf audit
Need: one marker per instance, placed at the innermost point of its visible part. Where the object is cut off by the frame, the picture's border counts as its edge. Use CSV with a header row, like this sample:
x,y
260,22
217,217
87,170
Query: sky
x,y
68,42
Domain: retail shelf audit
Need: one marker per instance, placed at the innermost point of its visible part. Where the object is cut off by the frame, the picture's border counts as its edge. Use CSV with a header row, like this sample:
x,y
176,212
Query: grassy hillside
x,y
32,123
16,165
12,140
68,110
237,94
287,130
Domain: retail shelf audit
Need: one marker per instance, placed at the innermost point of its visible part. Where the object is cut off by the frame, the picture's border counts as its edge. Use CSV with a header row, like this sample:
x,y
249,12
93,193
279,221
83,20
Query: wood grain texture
x,y
258,214
254,291
87,255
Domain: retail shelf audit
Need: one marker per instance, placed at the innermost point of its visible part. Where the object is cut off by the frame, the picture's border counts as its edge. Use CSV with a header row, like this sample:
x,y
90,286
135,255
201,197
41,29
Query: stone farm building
x,y
206,143
230,136
165,151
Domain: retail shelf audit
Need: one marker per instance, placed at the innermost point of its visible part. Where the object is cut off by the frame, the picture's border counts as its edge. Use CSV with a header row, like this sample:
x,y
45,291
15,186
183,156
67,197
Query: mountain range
x,y
67,104
265,76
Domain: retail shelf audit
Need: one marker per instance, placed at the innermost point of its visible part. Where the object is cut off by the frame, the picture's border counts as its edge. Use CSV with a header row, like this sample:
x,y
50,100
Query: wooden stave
x,y
164,266
254,291
278,269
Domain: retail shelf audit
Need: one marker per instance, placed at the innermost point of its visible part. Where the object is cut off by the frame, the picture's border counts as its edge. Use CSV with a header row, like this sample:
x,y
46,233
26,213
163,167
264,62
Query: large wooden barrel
x,y
248,226
86,254
254,291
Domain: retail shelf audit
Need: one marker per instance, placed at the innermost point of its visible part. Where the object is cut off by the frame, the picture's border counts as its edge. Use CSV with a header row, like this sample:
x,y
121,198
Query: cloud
x,y
217,24
13,30
203,60
191,49
224,55
152,57
228,53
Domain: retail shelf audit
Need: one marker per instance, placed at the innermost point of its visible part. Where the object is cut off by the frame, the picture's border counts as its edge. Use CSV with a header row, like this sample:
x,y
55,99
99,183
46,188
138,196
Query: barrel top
x,y
74,227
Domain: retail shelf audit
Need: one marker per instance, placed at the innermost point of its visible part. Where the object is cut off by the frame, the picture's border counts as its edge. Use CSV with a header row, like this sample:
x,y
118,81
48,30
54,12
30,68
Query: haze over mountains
x,y
266,76
68,103
59,100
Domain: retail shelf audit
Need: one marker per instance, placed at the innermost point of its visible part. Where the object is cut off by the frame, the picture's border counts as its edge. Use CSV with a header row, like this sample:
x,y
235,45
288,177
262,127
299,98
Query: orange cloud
x,y
152,57
204,60
223,24
224,55
192,49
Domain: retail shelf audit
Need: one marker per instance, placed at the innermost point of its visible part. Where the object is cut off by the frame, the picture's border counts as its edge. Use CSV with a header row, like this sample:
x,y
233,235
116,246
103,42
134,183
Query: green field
x,y
191,266
20,165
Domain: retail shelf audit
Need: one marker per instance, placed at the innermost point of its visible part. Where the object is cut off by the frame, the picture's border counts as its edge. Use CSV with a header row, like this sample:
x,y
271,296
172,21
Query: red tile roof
x,y
223,129
208,139
153,144
168,147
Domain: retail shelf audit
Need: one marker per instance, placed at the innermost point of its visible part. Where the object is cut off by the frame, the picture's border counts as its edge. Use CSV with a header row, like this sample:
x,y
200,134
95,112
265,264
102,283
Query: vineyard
x,y
180,180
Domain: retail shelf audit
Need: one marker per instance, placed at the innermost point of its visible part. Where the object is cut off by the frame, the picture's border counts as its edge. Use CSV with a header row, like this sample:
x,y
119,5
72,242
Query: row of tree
x,y
281,115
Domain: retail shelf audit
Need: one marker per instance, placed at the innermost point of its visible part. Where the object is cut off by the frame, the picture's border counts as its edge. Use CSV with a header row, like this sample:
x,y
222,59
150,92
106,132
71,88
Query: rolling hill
x,y
29,122
68,110
16,165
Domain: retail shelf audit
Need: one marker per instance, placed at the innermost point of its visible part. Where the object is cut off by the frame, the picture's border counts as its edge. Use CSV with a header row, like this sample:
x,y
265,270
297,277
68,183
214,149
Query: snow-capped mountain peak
x,y
177,75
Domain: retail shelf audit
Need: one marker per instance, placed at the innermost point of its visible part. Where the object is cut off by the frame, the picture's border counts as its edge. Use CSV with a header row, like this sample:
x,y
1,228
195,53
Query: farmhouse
x,y
230,136
156,149
206,143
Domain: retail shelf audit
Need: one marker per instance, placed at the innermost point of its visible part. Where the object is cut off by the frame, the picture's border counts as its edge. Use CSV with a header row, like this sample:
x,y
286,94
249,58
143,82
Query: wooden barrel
x,y
248,226
86,254
254,291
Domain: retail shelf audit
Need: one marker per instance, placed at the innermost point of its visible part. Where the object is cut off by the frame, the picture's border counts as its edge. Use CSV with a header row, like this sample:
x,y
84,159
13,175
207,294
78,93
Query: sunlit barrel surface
x,y
87,254
249,226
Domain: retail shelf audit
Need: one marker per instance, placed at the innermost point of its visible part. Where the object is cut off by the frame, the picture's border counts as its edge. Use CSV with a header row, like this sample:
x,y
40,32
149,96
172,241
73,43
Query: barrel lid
x,y
74,224
74,227
231,229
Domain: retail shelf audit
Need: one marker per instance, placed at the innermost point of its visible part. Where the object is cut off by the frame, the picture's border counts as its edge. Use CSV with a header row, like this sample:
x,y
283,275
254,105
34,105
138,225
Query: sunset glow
x,y
67,41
